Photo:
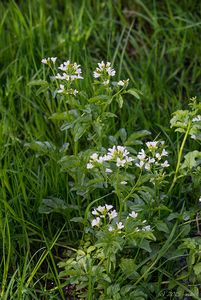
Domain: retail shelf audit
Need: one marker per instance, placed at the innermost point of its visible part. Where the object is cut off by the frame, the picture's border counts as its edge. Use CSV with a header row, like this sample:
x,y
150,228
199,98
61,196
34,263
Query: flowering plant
x,y
136,233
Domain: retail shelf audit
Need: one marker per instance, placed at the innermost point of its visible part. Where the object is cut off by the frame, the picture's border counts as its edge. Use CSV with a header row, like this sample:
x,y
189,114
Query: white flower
x,y
111,71
107,157
129,159
158,156
141,155
164,153
123,82
75,92
120,154
58,76
122,150
110,228
108,207
101,209
96,222
71,71
94,212
123,182
49,59
104,70
133,214
152,145
120,163
101,159
96,74
193,136
107,170
151,160
90,166
140,164
113,214
199,199
102,65
92,161
53,59
147,166
146,228
106,82
62,88
120,225
165,164
44,61
94,156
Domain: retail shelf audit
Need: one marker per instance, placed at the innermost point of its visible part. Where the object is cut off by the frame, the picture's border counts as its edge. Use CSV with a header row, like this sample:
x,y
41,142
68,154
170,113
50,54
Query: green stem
x,y
179,157
133,188
118,194
76,148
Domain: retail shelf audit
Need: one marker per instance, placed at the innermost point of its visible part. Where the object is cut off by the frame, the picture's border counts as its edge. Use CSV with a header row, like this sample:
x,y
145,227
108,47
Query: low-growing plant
x,y
141,243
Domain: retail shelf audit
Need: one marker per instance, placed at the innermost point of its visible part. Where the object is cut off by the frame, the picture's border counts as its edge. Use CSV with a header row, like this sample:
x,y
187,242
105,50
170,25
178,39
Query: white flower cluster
x,y
117,154
118,226
71,71
62,90
123,83
48,60
103,212
104,70
107,215
154,157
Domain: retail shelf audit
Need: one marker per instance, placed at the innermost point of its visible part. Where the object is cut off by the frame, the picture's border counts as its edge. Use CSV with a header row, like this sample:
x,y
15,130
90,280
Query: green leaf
x,y
162,207
123,134
113,140
120,100
191,160
138,294
161,226
60,116
90,249
77,220
69,162
53,204
66,126
42,89
180,120
99,99
134,92
106,115
38,82
197,268
79,130
113,289
144,244
128,267
173,216
133,139
41,147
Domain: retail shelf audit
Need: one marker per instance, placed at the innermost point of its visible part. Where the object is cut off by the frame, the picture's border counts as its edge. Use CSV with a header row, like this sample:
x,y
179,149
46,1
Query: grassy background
x,y
154,43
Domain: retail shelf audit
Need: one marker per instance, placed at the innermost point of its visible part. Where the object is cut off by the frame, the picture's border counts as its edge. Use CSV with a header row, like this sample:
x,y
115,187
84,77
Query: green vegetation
x,y
52,244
